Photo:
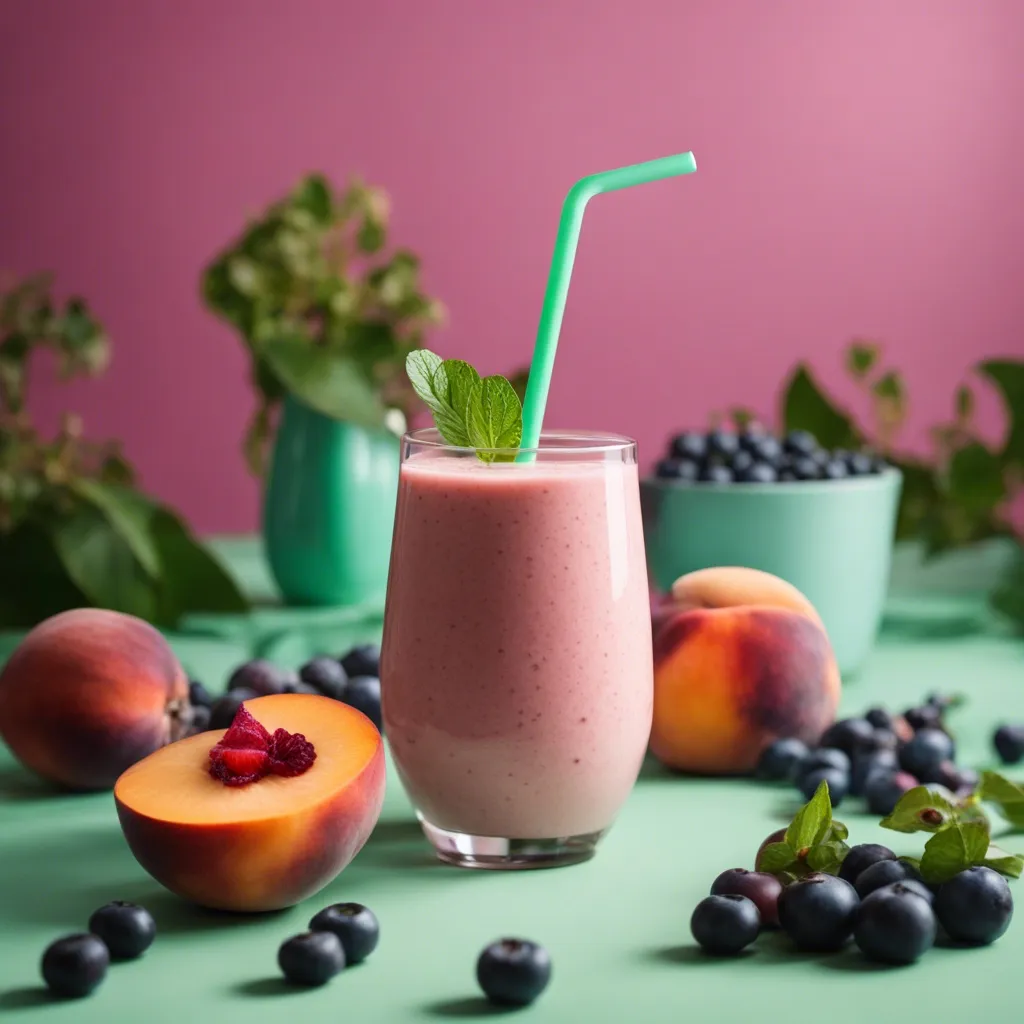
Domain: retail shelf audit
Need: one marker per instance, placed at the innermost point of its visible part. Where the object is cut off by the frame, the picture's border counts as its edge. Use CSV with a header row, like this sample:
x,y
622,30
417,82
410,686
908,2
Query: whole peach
x,y
742,661
88,693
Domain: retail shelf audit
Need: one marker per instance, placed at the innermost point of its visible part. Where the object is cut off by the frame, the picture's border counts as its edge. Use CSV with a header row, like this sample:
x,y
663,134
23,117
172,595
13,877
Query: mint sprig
x,y
469,411
1006,795
813,841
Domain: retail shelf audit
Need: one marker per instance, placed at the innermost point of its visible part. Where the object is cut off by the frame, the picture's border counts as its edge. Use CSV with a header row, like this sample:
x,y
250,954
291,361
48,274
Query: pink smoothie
x,y
516,666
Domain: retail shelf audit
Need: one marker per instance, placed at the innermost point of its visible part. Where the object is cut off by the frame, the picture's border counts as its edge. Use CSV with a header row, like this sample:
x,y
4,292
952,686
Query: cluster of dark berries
x,y
339,936
878,757
74,965
354,679
755,456
879,901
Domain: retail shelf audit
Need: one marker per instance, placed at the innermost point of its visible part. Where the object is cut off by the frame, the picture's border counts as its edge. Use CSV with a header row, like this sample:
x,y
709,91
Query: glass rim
x,y
591,442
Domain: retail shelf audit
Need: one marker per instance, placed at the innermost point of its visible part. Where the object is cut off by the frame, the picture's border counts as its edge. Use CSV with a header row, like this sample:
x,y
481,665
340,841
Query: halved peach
x,y
265,845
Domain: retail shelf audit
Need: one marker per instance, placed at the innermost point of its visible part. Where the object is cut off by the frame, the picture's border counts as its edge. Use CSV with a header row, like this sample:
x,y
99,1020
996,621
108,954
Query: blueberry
x,y
713,474
879,718
805,468
199,695
800,442
884,739
690,445
312,958
848,735
825,757
759,887
200,720
787,475
723,925
355,925
925,717
363,694
895,925
835,469
863,856
127,929
818,912
750,436
326,675
780,760
362,660
838,783
513,972
677,469
926,751
758,473
223,712
261,676
859,464
974,906
1009,743
884,872
883,791
875,762
912,885
300,687
741,462
74,965
765,449
722,443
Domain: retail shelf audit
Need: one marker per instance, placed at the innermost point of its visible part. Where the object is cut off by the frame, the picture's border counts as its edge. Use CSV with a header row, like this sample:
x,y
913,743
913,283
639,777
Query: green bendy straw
x,y
562,260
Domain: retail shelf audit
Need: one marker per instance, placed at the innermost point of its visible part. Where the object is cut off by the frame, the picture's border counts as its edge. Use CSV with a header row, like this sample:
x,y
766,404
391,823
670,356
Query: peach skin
x,y
268,844
88,693
730,679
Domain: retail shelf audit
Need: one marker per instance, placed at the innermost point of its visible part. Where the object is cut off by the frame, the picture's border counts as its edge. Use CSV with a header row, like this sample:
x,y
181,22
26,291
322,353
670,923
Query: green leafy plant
x,y
813,841
327,316
957,496
73,528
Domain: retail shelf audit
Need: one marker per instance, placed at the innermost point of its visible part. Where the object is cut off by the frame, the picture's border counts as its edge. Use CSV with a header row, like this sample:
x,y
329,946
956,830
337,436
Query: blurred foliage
x,y
73,528
959,494
326,314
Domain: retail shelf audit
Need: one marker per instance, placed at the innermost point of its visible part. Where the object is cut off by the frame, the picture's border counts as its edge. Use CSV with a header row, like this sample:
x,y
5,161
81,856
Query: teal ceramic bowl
x,y
831,539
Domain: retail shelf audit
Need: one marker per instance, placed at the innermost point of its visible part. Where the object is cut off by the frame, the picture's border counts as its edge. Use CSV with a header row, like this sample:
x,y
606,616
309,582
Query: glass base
x,y
492,853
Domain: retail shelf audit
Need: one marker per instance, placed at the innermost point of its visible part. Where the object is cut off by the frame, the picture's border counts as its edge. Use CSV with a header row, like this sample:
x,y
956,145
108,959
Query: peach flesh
x,y
88,693
272,843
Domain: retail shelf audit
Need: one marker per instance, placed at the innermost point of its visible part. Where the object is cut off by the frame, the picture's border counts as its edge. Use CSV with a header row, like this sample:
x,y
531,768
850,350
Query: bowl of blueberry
x,y
822,520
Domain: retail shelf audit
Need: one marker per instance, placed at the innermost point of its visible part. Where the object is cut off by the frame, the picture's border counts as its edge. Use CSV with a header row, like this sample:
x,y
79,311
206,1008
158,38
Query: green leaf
x,y
890,388
325,380
976,477
827,857
861,358
313,194
34,583
812,822
1006,795
806,407
1008,376
839,831
496,418
126,516
921,810
191,579
101,563
952,850
776,857
1005,863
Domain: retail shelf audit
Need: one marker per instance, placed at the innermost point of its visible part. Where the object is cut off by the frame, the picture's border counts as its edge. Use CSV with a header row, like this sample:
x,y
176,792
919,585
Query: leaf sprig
x,y
813,841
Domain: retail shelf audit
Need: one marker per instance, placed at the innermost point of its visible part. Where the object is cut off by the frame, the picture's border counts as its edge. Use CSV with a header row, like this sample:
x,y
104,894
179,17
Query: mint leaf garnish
x,y
469,412
948,852
1005,863
922,809
812,822
1006,795
777,857
813,841
827,856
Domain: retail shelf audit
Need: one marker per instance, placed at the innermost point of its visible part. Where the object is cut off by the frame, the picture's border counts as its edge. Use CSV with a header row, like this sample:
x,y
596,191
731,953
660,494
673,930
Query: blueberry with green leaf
x,y
813,842
470,411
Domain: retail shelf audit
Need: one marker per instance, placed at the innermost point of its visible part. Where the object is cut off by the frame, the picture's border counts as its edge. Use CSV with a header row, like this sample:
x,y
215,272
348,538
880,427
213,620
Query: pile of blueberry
x,y
879,901
753,455
878,757
354,679
74,965
339,936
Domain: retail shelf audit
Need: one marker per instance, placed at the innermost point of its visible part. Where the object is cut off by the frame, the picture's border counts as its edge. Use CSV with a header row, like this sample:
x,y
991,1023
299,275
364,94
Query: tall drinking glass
x,y
516,668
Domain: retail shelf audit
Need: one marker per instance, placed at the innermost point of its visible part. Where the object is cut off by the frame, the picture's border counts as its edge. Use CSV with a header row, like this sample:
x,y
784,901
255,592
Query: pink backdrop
x,y
860,173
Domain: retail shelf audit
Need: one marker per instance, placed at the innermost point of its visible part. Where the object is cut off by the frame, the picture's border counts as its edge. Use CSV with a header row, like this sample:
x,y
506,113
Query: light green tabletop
x,y
617,927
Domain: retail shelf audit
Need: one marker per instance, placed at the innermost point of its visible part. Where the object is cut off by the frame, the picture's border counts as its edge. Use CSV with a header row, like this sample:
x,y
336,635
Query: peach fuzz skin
x,y
88,693
268,845
731,678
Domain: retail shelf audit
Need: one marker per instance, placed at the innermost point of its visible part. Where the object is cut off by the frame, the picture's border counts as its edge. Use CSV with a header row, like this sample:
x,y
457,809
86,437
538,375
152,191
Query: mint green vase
x,y
329,509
